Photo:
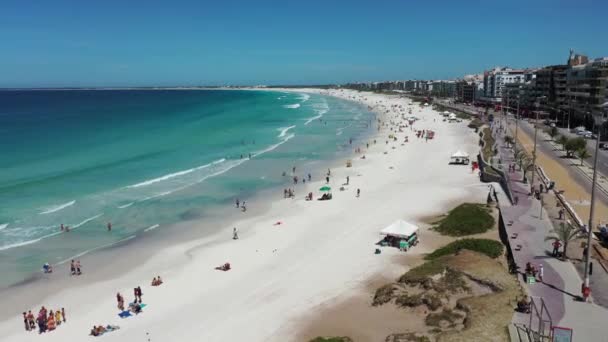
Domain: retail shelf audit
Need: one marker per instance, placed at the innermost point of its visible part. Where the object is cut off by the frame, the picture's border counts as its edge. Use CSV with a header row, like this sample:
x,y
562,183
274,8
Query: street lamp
x,y
535,135
593,183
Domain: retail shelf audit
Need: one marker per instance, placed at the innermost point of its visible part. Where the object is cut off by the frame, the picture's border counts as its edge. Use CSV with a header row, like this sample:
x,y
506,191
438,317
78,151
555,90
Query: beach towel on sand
x,y
127,313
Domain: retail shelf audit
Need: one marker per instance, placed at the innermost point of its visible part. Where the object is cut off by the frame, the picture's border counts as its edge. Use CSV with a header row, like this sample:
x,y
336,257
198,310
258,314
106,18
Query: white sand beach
x,y
321,253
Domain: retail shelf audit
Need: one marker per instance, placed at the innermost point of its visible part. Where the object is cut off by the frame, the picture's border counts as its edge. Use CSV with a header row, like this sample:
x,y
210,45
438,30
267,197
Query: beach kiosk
x,y
460,157
400,234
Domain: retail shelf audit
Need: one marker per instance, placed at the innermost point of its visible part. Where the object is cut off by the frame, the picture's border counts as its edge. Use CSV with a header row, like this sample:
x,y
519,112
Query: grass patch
x,y
466,219
420,275
452,281
448,316
409,300
475,123
383,295
491,248
407,337
332,339
487,150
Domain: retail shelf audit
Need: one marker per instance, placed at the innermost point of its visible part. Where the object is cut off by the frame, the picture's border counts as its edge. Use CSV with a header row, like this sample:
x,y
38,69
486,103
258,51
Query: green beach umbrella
x,y
325,188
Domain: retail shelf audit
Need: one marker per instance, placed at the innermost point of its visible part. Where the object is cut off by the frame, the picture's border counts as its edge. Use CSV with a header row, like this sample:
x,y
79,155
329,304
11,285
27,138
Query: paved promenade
x,y
561,283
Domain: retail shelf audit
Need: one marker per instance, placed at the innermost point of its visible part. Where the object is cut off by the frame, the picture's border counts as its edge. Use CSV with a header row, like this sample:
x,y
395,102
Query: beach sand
x,y
321,254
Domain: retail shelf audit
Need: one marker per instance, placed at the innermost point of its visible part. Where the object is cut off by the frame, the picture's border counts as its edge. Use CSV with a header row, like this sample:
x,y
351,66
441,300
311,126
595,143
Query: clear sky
x,y
58,43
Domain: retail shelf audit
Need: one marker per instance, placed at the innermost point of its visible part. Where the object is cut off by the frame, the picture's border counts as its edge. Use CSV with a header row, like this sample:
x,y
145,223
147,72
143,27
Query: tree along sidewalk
x,y
584,166
560,288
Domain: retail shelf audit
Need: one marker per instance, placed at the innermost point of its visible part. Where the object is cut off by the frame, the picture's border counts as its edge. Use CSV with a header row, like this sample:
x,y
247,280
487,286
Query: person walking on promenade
x,y
237,203
347,180
541,272
358,192
63,314
556,246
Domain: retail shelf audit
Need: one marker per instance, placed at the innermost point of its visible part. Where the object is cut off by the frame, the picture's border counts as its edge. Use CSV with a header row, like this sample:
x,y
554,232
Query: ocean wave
x,y
284,130
57,208
4,225
292,106
272,147
125,205
95,249
320,109
28,242
86,221
176,174
304,97
151,228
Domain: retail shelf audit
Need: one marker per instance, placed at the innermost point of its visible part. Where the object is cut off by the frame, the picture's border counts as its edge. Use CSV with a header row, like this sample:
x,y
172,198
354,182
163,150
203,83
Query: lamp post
x,y
535,135
592,207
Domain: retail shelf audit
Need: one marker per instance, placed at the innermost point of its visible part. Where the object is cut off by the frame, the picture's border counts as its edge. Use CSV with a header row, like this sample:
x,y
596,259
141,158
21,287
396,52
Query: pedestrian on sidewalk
x,y
561,214
540,272
556,246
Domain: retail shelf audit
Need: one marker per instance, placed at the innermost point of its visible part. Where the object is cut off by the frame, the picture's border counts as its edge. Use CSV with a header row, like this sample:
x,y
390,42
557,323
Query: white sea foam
x,y
4,225
125,205
284,130
272,147
304,97
86,221
176,174
292,106
94,249
320,109
29,242
57,208
151,228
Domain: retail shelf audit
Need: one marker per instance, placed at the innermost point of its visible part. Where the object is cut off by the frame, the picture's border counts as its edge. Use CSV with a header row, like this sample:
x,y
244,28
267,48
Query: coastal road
x,y
602,162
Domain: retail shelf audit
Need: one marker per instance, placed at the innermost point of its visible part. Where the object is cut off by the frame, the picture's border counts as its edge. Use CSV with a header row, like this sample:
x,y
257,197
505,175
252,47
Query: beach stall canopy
x,y
325,188
460,154
400,228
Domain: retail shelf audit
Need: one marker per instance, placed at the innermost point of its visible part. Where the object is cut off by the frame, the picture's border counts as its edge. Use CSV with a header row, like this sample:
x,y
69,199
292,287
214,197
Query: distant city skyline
x,y
189,43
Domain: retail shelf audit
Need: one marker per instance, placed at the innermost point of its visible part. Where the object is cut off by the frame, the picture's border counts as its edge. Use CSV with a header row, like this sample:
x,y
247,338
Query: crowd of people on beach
x,y
47,320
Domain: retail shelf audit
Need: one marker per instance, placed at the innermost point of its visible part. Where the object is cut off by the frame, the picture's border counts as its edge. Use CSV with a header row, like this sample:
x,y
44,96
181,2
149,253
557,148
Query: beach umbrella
x,y
325,188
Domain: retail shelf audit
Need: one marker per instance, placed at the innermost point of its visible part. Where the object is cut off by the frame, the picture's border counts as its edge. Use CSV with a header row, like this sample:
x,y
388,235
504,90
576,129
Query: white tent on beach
x,y
460,157
400,228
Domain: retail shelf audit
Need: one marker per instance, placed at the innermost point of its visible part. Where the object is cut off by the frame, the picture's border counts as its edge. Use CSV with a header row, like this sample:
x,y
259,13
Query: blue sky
x,y
145,43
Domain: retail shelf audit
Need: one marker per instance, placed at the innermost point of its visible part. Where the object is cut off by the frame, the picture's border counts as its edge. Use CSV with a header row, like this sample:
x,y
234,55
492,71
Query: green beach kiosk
x,y
401,234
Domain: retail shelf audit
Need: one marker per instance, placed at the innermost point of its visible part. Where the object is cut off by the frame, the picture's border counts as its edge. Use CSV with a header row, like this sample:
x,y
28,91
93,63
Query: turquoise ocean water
x,y
146,159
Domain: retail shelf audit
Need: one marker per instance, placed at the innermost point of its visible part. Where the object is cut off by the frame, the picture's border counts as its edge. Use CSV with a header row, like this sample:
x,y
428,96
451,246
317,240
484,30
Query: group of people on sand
x,y
75,267
99,330
157,281
289,193
240,205
47,320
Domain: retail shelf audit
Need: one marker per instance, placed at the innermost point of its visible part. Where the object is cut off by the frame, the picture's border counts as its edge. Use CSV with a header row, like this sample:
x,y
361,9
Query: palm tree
x,y
565,233
583,154
526,166
562,140
552,131
520,156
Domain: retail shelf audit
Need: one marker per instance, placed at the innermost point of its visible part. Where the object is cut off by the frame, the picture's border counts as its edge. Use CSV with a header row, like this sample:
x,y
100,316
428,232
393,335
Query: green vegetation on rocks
x,y
332,339
491,248
466,219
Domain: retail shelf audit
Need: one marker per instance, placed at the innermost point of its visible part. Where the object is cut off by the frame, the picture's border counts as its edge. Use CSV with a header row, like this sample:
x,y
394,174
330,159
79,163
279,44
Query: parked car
x,y
604,146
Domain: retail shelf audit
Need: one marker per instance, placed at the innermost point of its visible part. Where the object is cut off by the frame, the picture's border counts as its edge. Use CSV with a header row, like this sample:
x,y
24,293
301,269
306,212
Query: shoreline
x,y
135,237
191,253
38,286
